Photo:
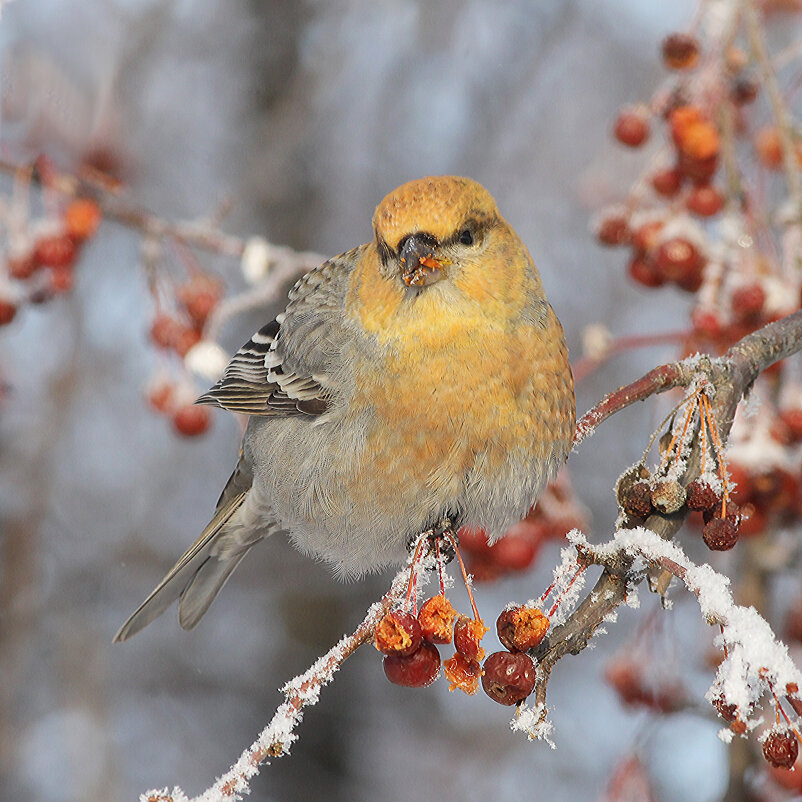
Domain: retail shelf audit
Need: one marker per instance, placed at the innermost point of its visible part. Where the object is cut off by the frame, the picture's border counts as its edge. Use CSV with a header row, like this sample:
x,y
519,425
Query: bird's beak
x,y
419,266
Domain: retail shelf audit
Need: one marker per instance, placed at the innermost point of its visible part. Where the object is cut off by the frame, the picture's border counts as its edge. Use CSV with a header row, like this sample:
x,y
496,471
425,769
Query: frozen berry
x,y
705,201
638,500
468,634
398,633
416,670
679,258
667,182
521,628
720,534
191,420
668,496
54,251
508,677
781,748
701,496
81,218
613,230
643,271
462,673
680,51
436,619
747,302
8,311
727,711
645,237
631,128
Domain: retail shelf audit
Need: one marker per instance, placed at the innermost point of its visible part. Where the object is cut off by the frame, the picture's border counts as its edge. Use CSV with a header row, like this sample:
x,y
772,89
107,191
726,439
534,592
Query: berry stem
x,y
556,604
719,454
439,557
413,574
464,576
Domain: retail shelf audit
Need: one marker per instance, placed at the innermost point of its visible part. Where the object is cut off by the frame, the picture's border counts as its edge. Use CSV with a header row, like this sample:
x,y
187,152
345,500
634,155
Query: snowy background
x,y
307,114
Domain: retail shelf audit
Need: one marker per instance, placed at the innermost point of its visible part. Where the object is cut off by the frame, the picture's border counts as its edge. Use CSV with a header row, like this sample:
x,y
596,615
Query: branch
x,y
304,691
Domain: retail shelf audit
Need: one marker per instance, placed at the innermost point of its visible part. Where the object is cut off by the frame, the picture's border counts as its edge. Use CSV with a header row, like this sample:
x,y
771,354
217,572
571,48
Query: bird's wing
x,y
282,369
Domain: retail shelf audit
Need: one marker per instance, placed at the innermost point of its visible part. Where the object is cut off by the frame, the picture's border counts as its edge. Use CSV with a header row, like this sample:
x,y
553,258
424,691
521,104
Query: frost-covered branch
x,y
303,691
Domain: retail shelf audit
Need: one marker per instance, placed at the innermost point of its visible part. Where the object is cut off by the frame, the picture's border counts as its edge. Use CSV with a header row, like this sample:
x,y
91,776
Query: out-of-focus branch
x,y
731,376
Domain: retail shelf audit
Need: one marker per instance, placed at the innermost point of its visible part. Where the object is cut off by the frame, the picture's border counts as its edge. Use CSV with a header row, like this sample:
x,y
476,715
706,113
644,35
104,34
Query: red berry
x,y
82,217
54,251
191,420
705,201
638,500
474,541
61,278
680,51
744,90
698,169
398,633
645,237
436,619
508,678
706,323
160,396
781,748
631,128
741,485
199,297
643,270
462,673
720,534
678,258
416,670
747,303
727,711
667,182
613,230
22,267
164,331
514,552
769,148
186,337
468,633
701,496
521,628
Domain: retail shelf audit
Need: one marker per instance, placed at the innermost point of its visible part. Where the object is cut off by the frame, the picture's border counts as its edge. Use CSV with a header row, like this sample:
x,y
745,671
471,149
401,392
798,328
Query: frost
x,y
726,735
255,259
568,583
534,722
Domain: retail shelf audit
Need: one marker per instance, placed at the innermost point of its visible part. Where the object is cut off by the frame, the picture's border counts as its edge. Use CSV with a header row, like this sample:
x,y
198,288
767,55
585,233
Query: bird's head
x,y
429,228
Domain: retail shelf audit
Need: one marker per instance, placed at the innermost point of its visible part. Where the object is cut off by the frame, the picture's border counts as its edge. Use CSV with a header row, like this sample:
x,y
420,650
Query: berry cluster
x,y
41,254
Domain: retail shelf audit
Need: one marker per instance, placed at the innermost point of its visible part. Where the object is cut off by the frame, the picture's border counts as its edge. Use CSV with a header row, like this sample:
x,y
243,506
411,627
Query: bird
x,y
418,378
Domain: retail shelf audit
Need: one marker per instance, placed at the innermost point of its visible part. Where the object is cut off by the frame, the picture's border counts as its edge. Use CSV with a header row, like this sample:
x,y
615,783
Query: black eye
x,y
466,237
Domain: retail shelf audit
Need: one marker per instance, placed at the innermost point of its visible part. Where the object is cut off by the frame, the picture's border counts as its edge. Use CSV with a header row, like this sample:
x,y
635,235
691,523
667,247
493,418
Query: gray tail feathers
x,y
200,573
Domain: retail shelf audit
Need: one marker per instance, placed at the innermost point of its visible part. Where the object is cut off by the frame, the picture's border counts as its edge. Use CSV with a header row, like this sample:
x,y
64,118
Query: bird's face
x,y
434,229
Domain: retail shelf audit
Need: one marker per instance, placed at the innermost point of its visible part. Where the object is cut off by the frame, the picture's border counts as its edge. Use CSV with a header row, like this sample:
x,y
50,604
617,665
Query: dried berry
x,y
721,534
700,496
416,670
705,201
398,633
638,500
613,230
727,711
680,51
631,128
521,628
468,634
191,420
744,90
508,677
436,619
463,673
668,496
781,748
667,182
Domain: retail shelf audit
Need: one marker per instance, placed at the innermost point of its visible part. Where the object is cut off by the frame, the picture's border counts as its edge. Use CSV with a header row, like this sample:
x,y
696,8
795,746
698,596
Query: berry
x,y
747,303
680,51
81,218
678,258
668,496
160,396
721,534
613,230
769,148
8,310
699,170
792,418
700,496
463,673
744,90
199,297
631,128
706,323
741,486
514,552
436,619
185,338
54,251
667,182
508,678
781,748
468,633
521,628
705,201
191,420
638,500
398,633
643,270
416,670
727,711
164,331
474,541
645,237
61,279
22,267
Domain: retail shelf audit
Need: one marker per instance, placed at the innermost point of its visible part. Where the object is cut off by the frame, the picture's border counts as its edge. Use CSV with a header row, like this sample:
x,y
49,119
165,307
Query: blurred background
x,y
304,114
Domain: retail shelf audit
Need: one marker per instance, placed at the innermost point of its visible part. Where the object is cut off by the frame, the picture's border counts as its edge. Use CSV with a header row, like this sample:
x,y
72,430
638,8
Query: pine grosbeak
x,y
419,377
